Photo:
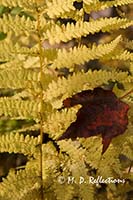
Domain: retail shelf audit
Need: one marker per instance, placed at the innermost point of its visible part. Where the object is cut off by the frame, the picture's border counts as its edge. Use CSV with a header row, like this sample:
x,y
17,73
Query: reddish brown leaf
x,y
101,113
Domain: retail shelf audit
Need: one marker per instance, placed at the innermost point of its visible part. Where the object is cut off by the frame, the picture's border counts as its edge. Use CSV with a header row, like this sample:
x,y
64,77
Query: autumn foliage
x,y
101,113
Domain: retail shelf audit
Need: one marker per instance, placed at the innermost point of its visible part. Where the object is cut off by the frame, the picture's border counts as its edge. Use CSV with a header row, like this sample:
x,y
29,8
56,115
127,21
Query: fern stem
x,y
130,167
41,99
125,95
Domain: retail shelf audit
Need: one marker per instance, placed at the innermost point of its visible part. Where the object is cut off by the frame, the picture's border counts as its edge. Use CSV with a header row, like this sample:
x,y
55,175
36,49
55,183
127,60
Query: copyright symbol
x,y
61,179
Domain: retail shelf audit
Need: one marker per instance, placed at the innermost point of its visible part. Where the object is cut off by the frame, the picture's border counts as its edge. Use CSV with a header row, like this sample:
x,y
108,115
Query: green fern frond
x,y
57,33
90,6
82,54
19,109
16,24
82,81
17,143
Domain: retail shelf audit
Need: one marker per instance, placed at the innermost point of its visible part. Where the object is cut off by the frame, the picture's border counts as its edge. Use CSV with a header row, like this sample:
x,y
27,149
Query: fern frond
x,y
128,44
82,81
125,55
17,143
52,161
77,166
58,122
26,5
19,109
55,8
10,51
89,2
127,147
75,15
112,165
129,99
34,76
27,181
57,33
18,78
80,55
61,189
93,148
15,64
7,51
52,176
90,6
16,24
28,129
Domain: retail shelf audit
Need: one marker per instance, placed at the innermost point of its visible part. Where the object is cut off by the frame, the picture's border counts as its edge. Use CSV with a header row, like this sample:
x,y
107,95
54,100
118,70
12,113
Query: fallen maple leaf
x,y
101,113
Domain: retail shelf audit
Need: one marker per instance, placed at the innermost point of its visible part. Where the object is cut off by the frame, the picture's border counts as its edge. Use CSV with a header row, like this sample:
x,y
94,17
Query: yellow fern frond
x,y
27,181
28,129
125,55
26,5
55,8
128,148
58,122
92,150
89,2
18,78
60,189
124,142
98,163
27,145
15,64
19,109
7,49
80,55
128,44
57,33
10,51
75,15
82,81
16,24
90,6
78,167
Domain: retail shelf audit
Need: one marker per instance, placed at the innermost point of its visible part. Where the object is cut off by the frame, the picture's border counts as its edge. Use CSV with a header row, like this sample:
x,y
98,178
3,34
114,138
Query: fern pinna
x,y
50,52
